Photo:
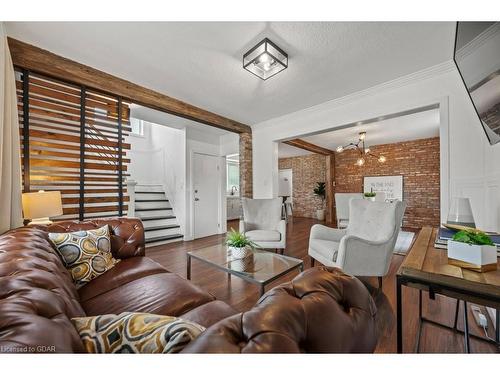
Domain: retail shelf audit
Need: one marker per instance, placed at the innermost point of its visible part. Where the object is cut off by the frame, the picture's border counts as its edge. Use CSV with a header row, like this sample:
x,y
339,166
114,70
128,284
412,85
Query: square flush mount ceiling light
x,y
265,59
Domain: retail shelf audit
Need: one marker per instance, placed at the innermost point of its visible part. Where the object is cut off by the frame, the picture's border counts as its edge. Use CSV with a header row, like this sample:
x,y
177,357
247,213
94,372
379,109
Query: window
x,y
137,127
233,176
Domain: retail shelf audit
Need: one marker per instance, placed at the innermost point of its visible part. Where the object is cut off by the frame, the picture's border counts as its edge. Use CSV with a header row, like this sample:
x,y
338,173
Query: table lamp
x,y
42,205
461,213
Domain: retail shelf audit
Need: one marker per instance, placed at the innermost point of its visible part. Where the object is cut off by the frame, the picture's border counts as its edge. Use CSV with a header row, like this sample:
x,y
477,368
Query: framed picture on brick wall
x,y
391,186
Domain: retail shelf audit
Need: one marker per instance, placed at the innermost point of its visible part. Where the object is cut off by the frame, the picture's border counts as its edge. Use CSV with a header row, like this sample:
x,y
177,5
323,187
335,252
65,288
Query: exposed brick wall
x,y
417,161
246,171
306,172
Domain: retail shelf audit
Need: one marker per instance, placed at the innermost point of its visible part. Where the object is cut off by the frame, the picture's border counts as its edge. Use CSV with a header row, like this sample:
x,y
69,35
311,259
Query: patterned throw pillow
x,y
86,254
135,333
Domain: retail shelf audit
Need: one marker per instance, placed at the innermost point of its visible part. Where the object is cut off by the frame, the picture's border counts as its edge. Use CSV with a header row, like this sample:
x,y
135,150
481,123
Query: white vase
x,y
239,252
320,215
481,258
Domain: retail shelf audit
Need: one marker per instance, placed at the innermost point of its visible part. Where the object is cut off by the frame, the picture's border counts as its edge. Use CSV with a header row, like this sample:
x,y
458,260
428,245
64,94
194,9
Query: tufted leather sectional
x,y
321,310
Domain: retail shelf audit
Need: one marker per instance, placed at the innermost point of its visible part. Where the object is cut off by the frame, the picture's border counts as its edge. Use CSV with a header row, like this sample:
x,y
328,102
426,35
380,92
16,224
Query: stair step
x,y
153,209
157,217
164,238
152,200
159,227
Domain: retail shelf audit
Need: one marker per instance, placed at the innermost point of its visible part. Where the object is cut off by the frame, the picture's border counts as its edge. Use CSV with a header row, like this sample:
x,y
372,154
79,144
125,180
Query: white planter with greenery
x,y
239,246
320,214
472,249
370,196
320,191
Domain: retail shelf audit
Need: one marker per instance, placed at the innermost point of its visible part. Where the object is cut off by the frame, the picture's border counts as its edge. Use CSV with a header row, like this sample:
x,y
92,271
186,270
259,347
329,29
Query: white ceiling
x,y
201,62
194,130
287,151
406,128
162,118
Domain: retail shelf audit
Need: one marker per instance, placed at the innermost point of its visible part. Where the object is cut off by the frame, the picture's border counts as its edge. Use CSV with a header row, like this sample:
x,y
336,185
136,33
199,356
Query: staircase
x,y
155,211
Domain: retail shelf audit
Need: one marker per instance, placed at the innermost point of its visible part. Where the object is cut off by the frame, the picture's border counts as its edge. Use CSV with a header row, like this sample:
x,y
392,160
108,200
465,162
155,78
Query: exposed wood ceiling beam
x,y
309,146
44,62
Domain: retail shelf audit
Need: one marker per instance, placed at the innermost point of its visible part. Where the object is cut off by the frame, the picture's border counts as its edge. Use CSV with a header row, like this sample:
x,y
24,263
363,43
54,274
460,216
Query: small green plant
x,y
371,194
237,239
473,237
319,190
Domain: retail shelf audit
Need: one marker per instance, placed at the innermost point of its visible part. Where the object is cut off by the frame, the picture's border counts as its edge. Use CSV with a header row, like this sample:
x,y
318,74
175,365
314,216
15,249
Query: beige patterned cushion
x,y
132,332
86,253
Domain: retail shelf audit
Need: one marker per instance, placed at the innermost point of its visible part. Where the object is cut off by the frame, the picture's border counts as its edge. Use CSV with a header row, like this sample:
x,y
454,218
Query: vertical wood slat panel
x,y
81,211
26,132
120,159
48,117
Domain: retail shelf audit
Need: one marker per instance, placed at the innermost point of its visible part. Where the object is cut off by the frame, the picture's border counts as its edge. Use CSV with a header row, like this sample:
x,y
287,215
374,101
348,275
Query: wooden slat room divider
x,y
72,140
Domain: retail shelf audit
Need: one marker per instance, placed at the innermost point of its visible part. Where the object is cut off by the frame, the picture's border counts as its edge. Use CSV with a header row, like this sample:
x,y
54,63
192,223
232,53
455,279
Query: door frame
x,y
221,189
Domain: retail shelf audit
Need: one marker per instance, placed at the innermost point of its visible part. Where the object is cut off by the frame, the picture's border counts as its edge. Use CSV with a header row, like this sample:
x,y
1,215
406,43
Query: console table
x,y
426,268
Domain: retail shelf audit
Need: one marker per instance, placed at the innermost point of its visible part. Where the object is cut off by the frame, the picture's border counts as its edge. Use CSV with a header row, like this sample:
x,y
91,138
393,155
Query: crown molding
x,y
478,41
409,79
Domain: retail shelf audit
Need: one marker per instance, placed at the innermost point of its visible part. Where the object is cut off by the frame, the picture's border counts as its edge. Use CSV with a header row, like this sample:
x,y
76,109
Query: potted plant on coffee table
x,y
239,245
320,192
472,249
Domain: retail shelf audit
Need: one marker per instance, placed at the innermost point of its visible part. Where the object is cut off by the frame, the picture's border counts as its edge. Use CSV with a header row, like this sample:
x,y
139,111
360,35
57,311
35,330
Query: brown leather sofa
x,y
321,310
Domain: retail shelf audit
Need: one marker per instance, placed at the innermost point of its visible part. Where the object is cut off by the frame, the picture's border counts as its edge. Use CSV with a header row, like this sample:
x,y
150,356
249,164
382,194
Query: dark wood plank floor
x,y
242,295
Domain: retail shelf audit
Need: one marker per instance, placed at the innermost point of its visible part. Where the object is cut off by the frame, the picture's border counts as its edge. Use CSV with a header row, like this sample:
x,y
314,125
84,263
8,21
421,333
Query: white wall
x,y
229,144
469,165
158,158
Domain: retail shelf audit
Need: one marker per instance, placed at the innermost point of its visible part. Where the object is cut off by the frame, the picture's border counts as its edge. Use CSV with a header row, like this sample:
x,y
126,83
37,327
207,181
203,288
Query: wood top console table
x,y
426,268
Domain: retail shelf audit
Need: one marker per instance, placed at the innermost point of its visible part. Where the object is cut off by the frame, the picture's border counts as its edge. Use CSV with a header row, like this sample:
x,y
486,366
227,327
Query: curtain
x,y
10,153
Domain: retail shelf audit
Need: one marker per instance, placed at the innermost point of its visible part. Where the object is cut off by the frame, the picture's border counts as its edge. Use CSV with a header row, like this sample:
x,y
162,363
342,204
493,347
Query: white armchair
x,y
262,223
365,248
342,207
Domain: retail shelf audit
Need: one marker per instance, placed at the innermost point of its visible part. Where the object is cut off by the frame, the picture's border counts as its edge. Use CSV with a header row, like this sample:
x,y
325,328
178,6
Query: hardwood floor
x,y
242,295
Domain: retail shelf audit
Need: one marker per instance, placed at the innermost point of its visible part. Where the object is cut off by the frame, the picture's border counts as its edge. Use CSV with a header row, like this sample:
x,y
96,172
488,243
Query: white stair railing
x,y
131,193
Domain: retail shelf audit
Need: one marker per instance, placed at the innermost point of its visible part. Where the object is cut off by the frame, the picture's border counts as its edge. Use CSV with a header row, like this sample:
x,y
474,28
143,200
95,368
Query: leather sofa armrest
x,y
127,233
322,310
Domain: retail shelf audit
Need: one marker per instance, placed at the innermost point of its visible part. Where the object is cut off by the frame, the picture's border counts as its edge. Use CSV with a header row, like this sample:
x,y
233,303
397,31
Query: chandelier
x,y
363,150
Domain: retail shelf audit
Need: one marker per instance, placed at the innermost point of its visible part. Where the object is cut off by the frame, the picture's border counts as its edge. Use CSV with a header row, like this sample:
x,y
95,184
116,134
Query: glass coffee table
x,y
261,267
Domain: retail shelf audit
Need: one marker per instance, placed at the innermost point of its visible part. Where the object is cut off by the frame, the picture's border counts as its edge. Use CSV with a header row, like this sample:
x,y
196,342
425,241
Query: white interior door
x,y
206,194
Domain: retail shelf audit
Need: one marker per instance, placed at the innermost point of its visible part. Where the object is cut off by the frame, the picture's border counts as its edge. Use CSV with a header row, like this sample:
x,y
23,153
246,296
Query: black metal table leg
x,y
188,269
420,321
456,315
399,316
466,330
497,334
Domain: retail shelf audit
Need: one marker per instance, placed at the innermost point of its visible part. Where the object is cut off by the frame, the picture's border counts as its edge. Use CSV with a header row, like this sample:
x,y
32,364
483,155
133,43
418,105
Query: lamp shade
x,y
461,213
42,204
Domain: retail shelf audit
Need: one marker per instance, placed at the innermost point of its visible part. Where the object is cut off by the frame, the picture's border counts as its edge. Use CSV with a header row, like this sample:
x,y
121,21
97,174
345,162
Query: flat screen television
x,y
477,56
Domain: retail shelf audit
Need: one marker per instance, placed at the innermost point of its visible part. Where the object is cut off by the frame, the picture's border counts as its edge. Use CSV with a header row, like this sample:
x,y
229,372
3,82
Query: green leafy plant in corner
x,y
237,239
473,237
370,194
319,190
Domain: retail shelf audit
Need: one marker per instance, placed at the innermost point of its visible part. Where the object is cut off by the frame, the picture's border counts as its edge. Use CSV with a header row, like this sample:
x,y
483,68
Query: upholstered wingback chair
x,y
262,223
342,207
366,246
